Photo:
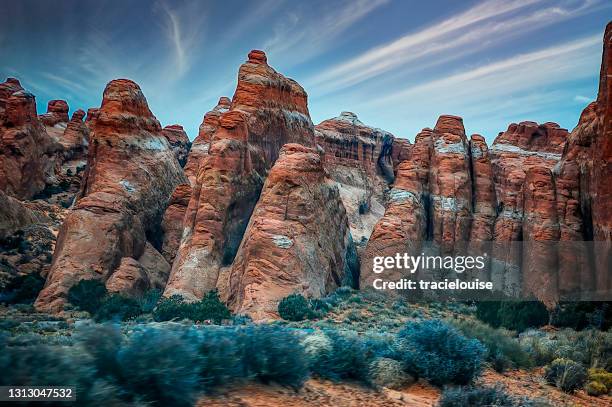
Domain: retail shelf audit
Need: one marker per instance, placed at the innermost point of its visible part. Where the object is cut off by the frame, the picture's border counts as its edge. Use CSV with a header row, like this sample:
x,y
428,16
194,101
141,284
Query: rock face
x,y
201,144
358,157
26,150
458,195
172,224
57,113
298,238
267,112
179,142
404,225
130,176
521,148
14,215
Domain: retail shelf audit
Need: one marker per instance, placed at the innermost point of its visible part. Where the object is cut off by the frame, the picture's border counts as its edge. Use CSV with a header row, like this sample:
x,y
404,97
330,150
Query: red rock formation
x,y
450,184
25,148
602,164
400,151
297,240
130,176
201,144
172,224
57,112
522,147
484,191
223,198
358,157
92,114
267,112
179,142
403,227
14,215
540,229
75,141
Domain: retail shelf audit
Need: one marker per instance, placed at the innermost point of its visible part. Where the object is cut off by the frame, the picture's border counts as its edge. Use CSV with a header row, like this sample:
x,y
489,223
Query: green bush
x,y
220,358
209,308
600,379
566,374
149,300
595,389
45,365
272,354
386,372
581,315
516,316
479,397
503,351
87,295
296,307
439,352
23,289
116,306
161,365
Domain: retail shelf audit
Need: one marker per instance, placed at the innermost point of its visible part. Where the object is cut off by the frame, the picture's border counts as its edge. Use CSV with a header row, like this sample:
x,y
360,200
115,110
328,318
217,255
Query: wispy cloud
x,y
183,28
303,32
482,26
516,88
583,99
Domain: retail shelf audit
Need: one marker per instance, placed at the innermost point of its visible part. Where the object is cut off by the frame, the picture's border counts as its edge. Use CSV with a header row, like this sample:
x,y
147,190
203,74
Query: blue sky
x,y
397,64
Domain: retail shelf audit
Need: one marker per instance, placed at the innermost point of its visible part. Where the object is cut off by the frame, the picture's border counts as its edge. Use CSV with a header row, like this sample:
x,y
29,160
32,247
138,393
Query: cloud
x,y
305,32
525,86
475,29
183,29
583,99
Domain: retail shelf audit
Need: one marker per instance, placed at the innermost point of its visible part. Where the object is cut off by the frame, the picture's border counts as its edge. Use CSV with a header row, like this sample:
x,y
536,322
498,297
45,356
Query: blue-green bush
x,y
480,397
161,365
272,354
439,352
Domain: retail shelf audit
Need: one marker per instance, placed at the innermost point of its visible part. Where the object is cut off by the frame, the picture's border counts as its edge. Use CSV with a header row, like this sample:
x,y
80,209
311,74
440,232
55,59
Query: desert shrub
x,y
208,308
220,358
583,314
87,295
272,354
149,300
566,374
503,351
386,372
600,381
479,397
439,352
516,316
294,307
595,389
118,307
102,342
340,355
45,365
161,365
23,289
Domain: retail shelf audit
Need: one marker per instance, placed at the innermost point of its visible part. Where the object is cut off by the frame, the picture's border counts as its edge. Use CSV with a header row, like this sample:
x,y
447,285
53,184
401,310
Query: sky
x,y
397,64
